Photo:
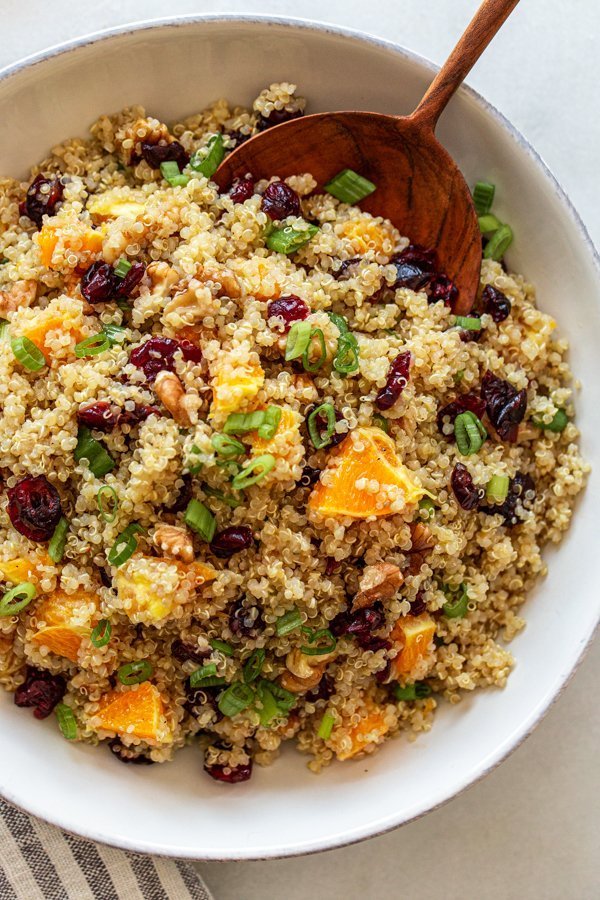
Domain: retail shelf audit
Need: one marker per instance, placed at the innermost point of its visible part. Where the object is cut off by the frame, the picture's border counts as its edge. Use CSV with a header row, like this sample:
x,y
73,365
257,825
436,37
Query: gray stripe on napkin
x,y
195,886
93,868
40,864
146,875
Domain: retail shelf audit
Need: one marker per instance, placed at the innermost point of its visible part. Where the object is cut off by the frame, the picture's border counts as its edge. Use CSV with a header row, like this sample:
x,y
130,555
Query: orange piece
x,y
22,569
288,426
88,241
366,456
61,640
62,635
136,712
47,241
366,734
414,634
367,234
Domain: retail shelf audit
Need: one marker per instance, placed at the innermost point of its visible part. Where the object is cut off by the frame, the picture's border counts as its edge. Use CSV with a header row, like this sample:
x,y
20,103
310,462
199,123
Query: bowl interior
x,y
175,69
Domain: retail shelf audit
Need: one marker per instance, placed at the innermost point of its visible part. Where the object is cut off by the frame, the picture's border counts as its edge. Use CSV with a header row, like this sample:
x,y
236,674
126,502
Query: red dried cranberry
x,y
418,605
277,117
365,621
229,775
99,282
361,626
242,189
101,415
321,420
34,508
310,476
442,290
41,198
495,303
323,690
238,137
521,485
505,405
371,642
139,413
280,201
191,352
415,267
184,651
468,334
124,287
184,497
231,540
155,154
470,402
331,566
125,755
289,308
245,621
397,380
346,269
155,355
42,690
466,493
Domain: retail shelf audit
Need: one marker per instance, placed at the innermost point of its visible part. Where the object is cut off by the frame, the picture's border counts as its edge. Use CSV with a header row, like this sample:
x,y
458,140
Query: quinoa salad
x,y
259,482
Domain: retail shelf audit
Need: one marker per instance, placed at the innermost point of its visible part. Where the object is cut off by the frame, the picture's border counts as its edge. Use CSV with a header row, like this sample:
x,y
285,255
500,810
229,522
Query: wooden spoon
x,y
419,186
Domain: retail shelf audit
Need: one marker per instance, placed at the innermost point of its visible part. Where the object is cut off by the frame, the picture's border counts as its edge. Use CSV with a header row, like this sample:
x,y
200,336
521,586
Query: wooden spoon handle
x,y
486,22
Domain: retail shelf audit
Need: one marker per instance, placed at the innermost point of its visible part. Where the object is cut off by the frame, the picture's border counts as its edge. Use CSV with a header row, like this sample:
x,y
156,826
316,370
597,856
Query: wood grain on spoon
x,y
419,186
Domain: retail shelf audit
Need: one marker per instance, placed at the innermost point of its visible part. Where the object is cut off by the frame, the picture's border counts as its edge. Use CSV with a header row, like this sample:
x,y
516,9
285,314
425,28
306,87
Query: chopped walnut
x,y
296,685
378,582
162,278
170,391
220,279
20,294
174,542
422,544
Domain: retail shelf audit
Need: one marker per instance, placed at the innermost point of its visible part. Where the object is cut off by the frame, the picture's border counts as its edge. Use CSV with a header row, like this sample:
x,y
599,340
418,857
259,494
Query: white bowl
x,y
175,68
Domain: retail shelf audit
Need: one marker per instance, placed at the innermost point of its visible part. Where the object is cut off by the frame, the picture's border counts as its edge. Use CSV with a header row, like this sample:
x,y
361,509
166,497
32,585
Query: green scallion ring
x,y
92,345
101,634
206,676
110,506
100,462
235,699
28,354
496,490
267,430
240,423
199,518
125,545
171,173
253,666
315,365
135,672
456,607
350,187
321,439
115,333
229,499
499,243
417,691
298,340
58,541
221,646
469,433
207,159
315,638
287,239
268,709
285,699
289,621
20,596
381,422
66,721
469,323
488,224
346,357
426,508
483,197
559,422
326,725
340,322
226,447
122,267
254,471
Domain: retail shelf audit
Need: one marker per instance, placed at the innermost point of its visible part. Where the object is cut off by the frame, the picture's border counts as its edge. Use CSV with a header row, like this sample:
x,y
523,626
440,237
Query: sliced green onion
x,y
488,223
209,681
221,646
254,666
200,519
108,503
267,430
469,433
346,358
207,159
227,447
115,333
125,545
20,596
298,340
101,634
456,606
28,354
350,187
483,197
426,508
458,376
559,422
469,323
170,172
417,691
235,699
326,726
58,541
92,345
496,490
285,699
254,471
192,467
199,676
341,322
289,621
100,461
321,439
269,708
315,365
315,639
66,721
229,499
240,423
122,267
381,422
288,239
135,672
499,243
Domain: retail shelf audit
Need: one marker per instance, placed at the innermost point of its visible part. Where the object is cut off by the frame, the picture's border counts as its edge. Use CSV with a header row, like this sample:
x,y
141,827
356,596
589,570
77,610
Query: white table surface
x,y
531,829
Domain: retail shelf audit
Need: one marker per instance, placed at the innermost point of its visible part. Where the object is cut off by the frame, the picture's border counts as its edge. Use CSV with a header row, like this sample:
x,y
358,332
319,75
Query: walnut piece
x,y
174,542
378,582
170,391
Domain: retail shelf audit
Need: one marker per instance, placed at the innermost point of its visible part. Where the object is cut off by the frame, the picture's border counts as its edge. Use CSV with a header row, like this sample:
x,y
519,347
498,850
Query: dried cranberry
x,y
280,201
397,380
230,775
310,476
331,565
345,270
415,267
417,605
155,355
242,189
231,540
289,308
321,421
139,413
184,496
470,402
365,621
371,642
466,493
521,485
245,621
495,303
34,508
41,198
323,690
99,282
239,137
124,287
277,117
101,415
42,690
442,290
468,334
184,651
155,154
505,405
125,755
191,352
361,625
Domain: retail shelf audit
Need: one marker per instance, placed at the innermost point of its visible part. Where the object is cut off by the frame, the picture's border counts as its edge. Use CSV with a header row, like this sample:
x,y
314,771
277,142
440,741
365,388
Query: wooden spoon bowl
x,y
419,186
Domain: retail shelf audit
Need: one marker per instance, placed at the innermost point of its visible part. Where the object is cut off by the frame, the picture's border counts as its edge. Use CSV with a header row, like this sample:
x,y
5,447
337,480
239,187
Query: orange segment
x,y
367,234
38,328
414,634
87,241
138,712
286,431
68,620
235,383
47,241
22,569
61,640
365,478
366,734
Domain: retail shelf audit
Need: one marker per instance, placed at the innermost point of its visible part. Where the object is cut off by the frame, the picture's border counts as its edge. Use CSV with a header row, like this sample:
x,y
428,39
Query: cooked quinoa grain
x,y
258,484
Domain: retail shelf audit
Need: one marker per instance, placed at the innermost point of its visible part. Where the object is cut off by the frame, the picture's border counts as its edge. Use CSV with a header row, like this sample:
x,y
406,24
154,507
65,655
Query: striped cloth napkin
x,y
39,862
